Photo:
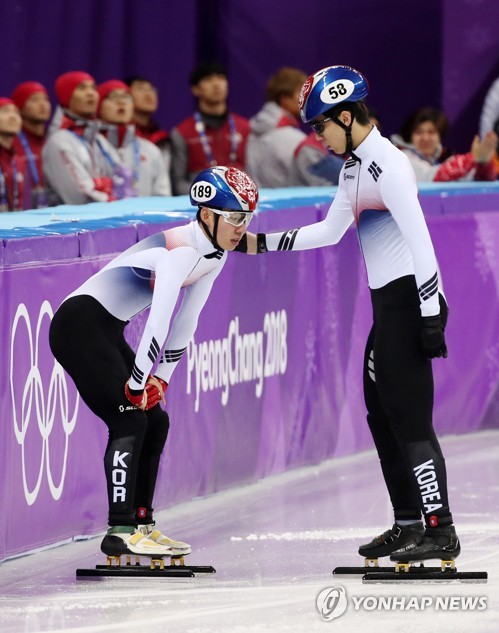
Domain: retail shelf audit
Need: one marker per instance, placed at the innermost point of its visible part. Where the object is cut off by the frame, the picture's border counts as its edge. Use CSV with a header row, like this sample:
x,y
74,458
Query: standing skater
x,y
86,337
377,189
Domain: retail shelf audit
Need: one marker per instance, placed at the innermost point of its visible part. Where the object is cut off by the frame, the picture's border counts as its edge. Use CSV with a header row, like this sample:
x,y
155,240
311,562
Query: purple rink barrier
x,y
271,380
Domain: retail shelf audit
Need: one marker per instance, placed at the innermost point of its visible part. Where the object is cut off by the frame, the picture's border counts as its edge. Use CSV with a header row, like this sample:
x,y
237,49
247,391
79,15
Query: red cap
x,y
107,87
65,85
23,92
6,101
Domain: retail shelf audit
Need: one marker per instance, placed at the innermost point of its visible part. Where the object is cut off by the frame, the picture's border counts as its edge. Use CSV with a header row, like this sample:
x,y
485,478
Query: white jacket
x,y
72,161
272,141
153,178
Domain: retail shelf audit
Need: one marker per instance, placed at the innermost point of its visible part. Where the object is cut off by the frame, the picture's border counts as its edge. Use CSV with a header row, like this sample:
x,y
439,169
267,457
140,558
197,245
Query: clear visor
x,y
236,218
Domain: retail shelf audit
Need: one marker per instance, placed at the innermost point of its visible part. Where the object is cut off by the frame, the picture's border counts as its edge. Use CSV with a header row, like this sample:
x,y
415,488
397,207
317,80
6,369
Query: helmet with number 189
x,y
225,189
329,87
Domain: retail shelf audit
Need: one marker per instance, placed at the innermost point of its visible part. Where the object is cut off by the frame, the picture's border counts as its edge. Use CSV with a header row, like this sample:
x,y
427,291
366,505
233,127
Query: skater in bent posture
x,y
377,189
86,337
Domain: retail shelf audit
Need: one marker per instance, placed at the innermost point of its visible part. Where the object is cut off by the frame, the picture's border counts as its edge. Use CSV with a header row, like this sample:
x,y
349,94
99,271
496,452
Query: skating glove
x,y
261,243
433,338
155,391
137,398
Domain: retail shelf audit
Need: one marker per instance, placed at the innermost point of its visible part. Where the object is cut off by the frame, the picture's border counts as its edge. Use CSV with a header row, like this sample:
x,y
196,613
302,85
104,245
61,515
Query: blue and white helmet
x,y
224,188
328,87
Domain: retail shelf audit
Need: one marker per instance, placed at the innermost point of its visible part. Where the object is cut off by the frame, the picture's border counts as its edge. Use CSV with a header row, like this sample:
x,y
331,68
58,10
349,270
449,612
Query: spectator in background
x,y
313,165
496,155
143,171
274,132
146,103
490,109
421,140
33,103
212,135
11,163
78,161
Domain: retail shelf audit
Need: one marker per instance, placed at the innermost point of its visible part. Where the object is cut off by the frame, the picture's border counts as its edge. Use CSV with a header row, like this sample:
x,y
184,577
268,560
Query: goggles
x,y
318,126
236,218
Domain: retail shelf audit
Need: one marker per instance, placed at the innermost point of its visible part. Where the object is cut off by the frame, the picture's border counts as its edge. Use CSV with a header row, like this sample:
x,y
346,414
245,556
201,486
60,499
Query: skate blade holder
x,y
448,566
134,561
157,563
177,561
371,562
115,561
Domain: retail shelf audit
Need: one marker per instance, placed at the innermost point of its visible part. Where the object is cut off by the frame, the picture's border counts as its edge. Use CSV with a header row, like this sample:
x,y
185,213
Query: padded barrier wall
x,y
271,380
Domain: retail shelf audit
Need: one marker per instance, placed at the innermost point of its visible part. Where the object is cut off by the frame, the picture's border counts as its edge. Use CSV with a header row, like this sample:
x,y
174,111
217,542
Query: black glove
x,y
261,244
433,338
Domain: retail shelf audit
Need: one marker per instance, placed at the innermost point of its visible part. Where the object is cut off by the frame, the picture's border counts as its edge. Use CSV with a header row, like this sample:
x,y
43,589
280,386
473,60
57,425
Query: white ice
x,y
274,545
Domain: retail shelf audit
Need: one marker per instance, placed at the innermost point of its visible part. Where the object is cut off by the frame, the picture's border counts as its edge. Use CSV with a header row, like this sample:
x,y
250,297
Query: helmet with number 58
x,y
329,87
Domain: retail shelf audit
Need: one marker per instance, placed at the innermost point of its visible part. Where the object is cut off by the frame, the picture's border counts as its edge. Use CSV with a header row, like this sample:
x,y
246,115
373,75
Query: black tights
x,y
89,343
398,390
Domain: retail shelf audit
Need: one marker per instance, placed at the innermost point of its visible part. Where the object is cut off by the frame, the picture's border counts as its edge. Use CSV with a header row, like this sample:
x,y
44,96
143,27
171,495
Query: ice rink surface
x,y
274,545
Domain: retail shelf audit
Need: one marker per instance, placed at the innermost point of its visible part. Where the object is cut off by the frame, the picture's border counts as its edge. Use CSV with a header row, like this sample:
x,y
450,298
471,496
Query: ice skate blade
x,y
361,570
425,575
156,568
197,569
133,571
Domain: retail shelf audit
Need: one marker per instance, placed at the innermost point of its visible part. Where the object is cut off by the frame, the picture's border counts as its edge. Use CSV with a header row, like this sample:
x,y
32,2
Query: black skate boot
x,y
438,542
397,537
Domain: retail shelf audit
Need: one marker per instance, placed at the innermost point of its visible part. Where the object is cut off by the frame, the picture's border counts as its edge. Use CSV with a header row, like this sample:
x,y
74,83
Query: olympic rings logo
x,y
34,403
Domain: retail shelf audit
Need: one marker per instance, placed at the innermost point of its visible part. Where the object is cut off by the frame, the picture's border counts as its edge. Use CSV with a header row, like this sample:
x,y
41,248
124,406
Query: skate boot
x,y
179,549
438,542
396,537
125,540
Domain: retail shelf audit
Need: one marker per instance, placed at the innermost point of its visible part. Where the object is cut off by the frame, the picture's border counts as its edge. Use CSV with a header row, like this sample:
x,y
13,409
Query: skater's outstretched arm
x,y
325,233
